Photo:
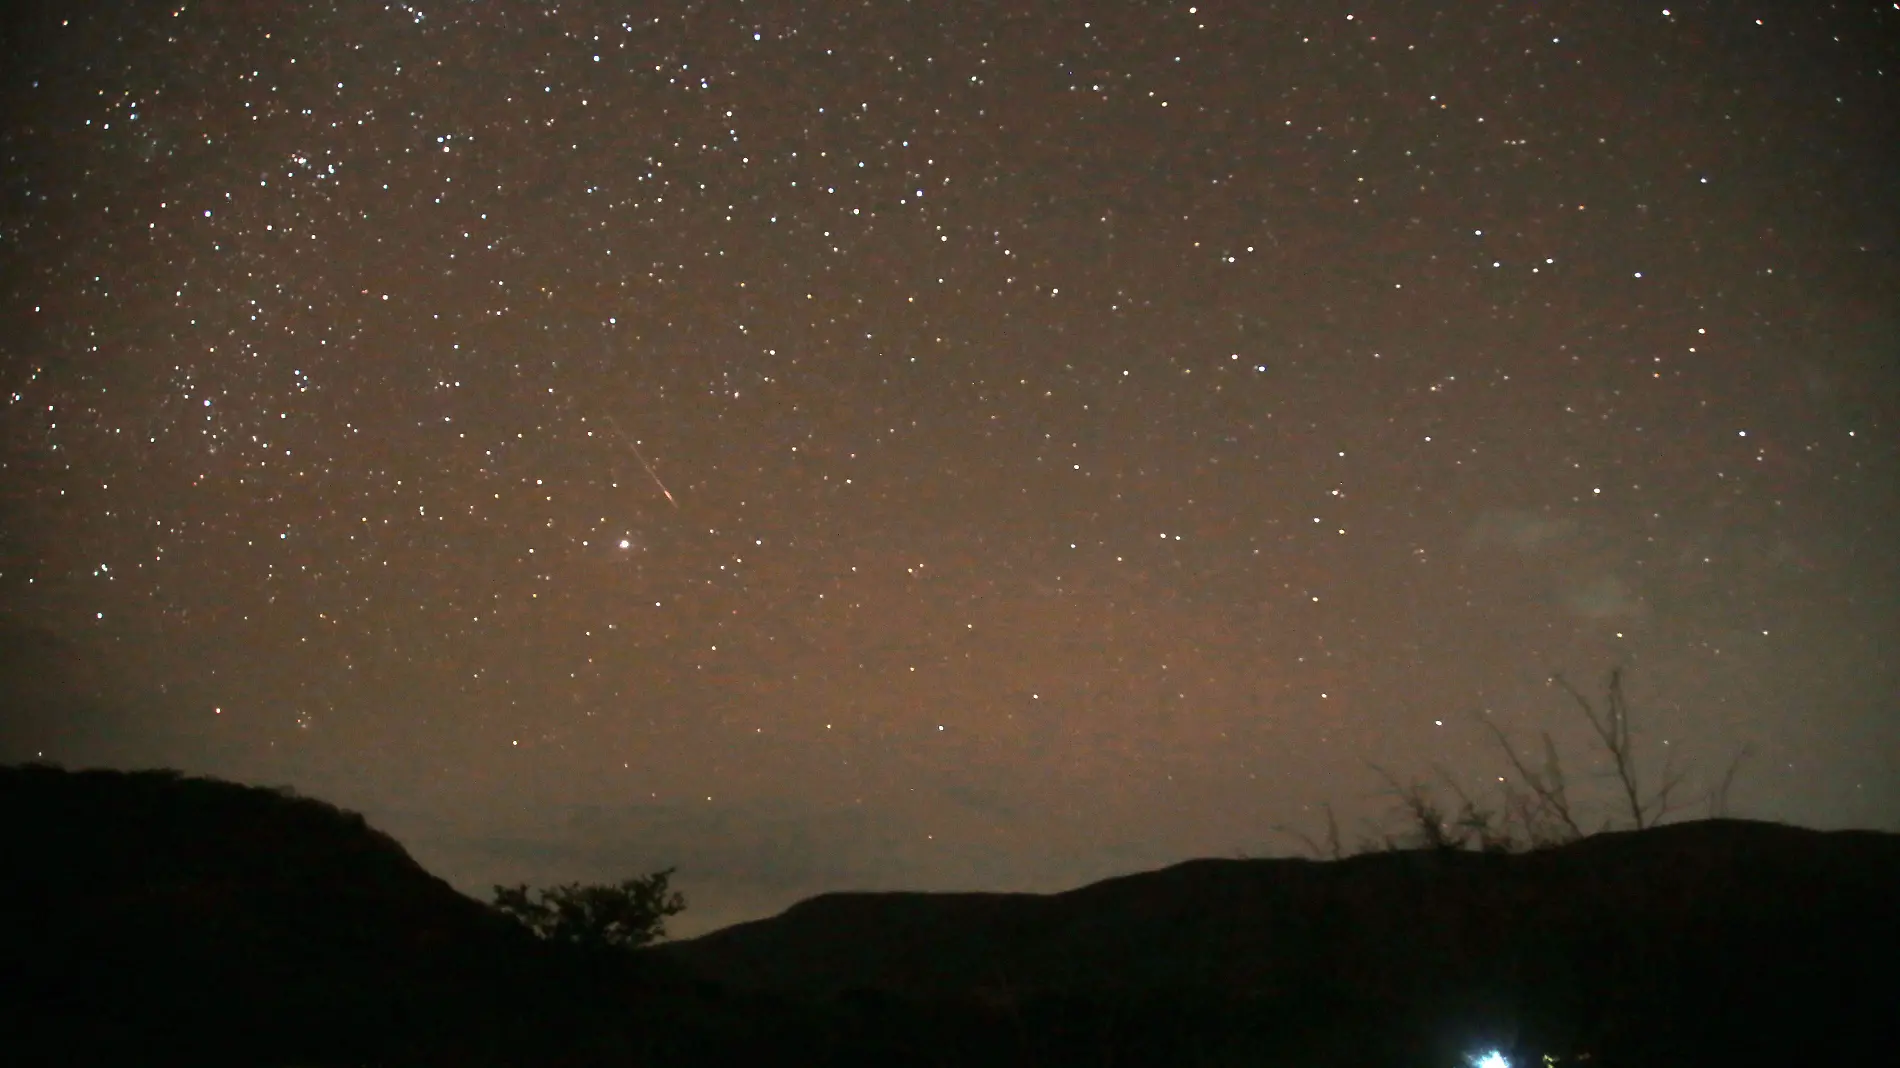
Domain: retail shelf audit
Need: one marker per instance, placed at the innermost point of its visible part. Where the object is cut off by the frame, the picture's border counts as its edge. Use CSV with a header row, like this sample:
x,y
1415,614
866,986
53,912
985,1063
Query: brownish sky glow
x,y
1093,432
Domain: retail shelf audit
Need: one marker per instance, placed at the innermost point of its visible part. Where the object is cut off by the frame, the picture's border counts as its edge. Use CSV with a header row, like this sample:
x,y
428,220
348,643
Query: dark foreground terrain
x,y
154,918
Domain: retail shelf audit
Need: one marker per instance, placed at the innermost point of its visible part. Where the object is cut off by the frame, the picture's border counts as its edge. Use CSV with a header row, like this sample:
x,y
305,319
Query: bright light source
x,y
1489,1059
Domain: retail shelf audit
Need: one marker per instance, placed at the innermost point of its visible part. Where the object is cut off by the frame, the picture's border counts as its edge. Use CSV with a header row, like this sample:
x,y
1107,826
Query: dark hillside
x,y
156,918
148,913
1679,937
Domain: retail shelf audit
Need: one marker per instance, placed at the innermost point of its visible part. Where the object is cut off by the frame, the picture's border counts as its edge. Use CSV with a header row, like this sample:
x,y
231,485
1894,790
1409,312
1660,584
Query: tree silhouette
x,y
624,915
1535,810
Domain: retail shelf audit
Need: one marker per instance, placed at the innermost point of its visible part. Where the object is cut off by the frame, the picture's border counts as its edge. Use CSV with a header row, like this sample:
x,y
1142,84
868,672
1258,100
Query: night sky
x,y
945,445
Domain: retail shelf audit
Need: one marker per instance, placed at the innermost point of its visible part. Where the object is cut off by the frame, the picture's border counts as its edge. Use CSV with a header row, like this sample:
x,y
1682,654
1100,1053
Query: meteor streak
x,y
640,456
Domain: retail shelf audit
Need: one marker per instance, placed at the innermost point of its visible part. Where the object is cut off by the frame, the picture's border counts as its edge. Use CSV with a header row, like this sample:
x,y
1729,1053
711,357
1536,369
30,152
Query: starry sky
x,y
985,446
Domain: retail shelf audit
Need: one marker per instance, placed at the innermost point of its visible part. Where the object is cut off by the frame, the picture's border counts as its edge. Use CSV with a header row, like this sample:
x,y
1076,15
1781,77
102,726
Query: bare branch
x,y
1423,811
1538,800
1493,831
1332,850
1613,731
1659,803
1718,797
1547,786
1621,751
1554,794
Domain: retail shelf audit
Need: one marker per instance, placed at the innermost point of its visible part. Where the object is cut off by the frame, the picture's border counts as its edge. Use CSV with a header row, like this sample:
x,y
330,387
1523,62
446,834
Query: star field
x,y
846,445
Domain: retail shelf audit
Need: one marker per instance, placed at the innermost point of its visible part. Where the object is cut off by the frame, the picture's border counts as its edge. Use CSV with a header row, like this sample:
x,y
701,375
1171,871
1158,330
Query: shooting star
x,y
642,457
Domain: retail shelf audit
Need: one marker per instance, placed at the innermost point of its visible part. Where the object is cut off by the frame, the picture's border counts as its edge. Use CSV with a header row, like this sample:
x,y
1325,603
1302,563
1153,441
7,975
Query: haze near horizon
x,y
829,446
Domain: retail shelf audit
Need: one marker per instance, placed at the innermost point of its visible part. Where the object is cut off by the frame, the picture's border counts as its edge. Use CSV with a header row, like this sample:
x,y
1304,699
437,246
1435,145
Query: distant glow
x,y
1490,1059
456,499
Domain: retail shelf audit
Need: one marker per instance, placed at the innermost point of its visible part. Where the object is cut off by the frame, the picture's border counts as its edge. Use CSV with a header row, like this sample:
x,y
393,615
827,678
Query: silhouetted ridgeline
x,y
154,918
1681,939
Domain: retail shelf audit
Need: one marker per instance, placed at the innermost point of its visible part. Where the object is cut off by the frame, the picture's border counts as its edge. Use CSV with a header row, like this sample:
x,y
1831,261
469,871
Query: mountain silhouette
x,y
1675,941
157,917
153,917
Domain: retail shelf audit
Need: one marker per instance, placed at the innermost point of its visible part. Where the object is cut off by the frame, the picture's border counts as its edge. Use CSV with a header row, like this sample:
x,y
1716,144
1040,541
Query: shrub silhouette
x,y
160,917
619,916
1534,810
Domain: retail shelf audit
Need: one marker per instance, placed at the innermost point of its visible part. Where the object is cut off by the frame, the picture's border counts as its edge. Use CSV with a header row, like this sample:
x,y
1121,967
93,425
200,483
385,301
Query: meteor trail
x,y
638,455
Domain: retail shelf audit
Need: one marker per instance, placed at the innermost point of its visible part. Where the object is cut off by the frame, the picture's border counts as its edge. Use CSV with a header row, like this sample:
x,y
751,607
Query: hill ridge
x,y
1289,913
